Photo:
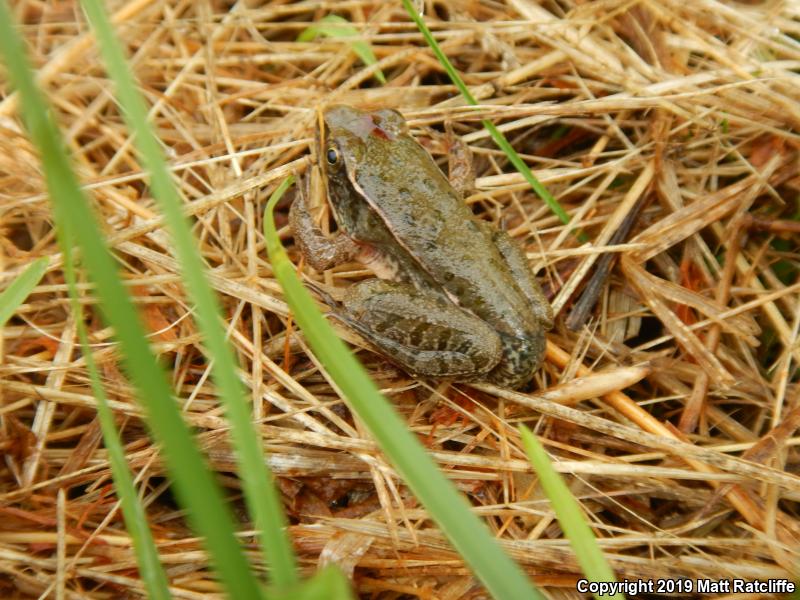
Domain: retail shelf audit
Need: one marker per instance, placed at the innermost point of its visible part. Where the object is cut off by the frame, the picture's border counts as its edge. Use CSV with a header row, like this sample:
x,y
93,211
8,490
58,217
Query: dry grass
x,y
676,121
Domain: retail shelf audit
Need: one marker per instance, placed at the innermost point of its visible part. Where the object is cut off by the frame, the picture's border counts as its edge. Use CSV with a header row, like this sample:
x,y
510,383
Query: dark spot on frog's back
x,y
416,333
443,339
381,325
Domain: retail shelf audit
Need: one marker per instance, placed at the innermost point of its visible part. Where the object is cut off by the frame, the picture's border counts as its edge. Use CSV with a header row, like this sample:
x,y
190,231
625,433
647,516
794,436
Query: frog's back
x,y
431,222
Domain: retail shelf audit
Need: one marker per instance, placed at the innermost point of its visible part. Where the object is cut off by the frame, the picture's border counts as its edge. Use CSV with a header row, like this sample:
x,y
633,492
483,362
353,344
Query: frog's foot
x,y
460,170
426,335
522,357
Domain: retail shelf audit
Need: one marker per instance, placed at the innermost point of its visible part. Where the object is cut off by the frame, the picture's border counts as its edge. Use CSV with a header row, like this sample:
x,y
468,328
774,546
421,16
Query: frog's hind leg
x,y
426,335
518,264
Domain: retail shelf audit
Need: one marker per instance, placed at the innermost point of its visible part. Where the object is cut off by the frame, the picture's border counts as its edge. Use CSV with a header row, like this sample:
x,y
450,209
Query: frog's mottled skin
x,y
459,299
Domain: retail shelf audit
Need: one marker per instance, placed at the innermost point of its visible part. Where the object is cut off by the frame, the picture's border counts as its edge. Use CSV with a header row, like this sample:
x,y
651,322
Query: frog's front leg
x,y
427,335
320,251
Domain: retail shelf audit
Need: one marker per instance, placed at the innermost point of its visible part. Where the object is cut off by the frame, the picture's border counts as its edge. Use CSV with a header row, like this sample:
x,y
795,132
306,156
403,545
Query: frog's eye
x,y
332,156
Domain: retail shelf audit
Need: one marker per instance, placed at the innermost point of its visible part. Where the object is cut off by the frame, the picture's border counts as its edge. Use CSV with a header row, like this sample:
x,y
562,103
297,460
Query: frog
x,y
453,296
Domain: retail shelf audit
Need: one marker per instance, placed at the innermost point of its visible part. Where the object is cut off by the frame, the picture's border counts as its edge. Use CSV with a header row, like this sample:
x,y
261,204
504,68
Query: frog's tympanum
x,y
455,297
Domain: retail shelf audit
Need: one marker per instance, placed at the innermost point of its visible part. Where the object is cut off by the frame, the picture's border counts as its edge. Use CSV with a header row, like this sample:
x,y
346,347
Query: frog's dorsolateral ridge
x,y
456,297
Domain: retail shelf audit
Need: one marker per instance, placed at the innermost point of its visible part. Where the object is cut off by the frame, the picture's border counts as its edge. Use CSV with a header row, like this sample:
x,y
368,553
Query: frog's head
x,y
353,143
351,133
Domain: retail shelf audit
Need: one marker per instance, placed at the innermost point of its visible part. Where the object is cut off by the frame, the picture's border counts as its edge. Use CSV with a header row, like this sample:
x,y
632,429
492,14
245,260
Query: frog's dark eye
x,y
332,156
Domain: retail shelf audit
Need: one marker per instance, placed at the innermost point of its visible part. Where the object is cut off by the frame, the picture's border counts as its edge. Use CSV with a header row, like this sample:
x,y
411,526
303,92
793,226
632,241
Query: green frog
x,y
453,297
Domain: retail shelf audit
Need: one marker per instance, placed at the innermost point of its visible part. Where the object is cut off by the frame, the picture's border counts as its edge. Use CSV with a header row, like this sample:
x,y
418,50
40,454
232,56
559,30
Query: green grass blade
x,y
496,134
194,484
20,288
133,512
568,513
261,495
326,584
471,538
334,26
